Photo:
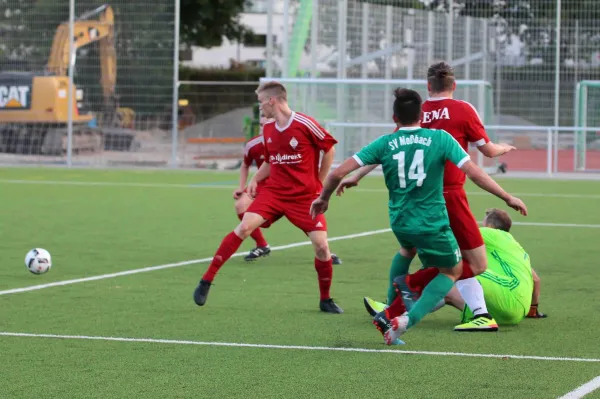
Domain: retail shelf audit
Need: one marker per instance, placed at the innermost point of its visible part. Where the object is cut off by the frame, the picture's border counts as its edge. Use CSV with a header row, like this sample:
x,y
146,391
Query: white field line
x,y
300,347
114,184
583,390
282,247
177,264
232,186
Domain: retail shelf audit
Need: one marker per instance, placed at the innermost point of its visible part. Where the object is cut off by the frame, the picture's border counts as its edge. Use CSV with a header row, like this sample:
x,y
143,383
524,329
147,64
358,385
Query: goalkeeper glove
x,y
534,313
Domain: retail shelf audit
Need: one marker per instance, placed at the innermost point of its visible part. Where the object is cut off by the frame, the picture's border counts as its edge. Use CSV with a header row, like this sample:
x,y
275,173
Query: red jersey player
x,y
254,153
293,143
460,119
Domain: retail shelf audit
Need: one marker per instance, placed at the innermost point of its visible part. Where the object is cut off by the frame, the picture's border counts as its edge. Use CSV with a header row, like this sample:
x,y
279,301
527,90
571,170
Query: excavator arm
x,y
88,31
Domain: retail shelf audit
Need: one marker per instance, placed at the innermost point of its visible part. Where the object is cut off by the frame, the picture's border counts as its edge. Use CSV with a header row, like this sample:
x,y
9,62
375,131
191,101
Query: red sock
x,y
228,246
396,308
256,235
325,274
418,280
467,271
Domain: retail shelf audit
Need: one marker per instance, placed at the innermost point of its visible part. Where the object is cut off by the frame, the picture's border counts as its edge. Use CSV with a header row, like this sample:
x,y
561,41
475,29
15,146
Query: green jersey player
x,y
511,286
413,159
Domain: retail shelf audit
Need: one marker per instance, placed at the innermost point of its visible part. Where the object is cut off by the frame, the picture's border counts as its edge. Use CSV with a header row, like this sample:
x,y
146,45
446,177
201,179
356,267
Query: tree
x,y
204,23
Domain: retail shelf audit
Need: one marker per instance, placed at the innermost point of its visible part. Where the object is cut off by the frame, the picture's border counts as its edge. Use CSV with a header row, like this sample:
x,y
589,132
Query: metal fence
x,y
120,60
128,106
533,53
539,149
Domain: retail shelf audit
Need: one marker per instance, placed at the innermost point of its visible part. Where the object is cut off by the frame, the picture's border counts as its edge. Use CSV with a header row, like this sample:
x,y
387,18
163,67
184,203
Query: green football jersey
x,y
508,258
413,162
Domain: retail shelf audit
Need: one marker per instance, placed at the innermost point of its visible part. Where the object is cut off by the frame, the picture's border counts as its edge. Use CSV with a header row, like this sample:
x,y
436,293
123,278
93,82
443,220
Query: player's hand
x,y
518,205
252,188
237,193
348,182
318,206
534,313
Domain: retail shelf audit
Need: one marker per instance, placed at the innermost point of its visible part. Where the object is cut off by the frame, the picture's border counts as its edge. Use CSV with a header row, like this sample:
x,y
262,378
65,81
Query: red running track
x,y
536,160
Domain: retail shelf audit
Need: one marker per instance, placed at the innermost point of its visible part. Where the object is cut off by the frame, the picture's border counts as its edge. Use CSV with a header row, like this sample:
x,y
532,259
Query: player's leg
x,y
501,298
437,250
324,269
455,299
466,230
407,251
262,210
399,267
398,272
397,307
262,247
316,230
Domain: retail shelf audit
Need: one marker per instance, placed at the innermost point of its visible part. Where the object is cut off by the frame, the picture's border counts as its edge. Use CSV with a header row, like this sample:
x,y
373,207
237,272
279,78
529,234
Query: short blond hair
x,y
273,89
498,219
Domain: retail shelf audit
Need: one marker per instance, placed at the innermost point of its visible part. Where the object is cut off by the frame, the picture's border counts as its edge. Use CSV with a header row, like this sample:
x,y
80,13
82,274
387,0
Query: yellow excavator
x,y
34,107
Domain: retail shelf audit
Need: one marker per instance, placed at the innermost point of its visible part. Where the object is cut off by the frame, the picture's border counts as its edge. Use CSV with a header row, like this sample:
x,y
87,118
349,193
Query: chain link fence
x,y
535,55
122,67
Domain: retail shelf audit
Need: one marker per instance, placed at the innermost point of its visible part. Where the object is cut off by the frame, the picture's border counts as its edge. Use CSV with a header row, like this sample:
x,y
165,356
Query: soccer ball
x,y
38,261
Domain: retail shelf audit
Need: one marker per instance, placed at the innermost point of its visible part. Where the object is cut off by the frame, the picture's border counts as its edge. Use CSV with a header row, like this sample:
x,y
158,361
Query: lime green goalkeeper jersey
x,y
413,161
507,258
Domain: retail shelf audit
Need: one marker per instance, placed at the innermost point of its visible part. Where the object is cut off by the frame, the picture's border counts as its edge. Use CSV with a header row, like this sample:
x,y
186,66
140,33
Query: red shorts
x,y
462,222
272,208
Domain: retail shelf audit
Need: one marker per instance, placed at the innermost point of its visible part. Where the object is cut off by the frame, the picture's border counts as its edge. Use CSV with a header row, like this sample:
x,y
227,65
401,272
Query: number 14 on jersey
x,y
416,170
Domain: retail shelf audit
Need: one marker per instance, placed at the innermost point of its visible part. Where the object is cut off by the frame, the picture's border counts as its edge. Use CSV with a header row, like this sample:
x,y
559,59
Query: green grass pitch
x,y
97,222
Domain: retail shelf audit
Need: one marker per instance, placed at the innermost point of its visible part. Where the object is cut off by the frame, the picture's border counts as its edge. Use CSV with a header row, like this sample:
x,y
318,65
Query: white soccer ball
x,y
38,261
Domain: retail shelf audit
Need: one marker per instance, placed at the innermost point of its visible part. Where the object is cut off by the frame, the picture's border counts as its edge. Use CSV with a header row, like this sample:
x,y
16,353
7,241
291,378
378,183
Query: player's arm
x,y
326,163
323,141
484,181
455,154
493,150
244,172
263,172
477,135
534,313
352,181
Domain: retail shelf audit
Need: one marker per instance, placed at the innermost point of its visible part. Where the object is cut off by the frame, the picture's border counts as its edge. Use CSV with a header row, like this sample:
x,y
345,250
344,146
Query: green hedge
x,y
211,100
220,75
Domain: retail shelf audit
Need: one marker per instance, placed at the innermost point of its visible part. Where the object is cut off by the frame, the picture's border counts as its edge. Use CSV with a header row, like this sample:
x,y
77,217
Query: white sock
x,y
472,293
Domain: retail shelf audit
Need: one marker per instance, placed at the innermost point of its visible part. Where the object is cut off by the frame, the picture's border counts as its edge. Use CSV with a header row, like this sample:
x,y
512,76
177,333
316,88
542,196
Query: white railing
x,y
557,143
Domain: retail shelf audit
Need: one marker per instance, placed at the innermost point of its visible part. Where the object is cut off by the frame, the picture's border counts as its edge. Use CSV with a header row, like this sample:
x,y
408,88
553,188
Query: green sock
x,y
435,291
400,266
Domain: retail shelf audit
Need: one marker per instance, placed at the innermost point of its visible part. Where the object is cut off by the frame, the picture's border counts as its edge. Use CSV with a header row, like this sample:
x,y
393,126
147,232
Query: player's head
x,y
440,78
407,107
497,219
270,95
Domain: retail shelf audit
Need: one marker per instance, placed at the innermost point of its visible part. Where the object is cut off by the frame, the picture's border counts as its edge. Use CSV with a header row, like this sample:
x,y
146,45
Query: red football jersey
x,y
294,151
460,119
255,151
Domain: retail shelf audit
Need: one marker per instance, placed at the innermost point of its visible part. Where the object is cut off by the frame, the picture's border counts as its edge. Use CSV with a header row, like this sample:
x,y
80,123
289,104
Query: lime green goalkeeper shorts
x,y
507,306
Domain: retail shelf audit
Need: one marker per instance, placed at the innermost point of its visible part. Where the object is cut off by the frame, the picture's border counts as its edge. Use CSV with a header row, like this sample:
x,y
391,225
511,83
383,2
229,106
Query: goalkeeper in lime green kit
x,y
413,160
510,285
